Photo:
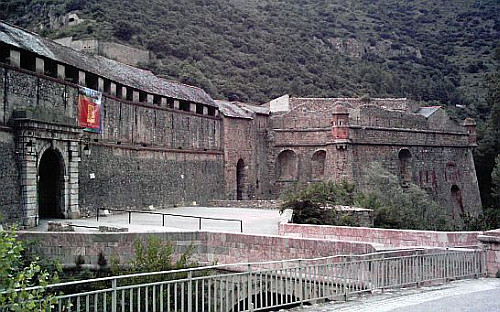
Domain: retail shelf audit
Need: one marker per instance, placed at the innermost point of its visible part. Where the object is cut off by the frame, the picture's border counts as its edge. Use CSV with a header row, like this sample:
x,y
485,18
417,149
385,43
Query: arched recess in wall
x,y
286,165
51,185
240,179
457,205
405,166
318,165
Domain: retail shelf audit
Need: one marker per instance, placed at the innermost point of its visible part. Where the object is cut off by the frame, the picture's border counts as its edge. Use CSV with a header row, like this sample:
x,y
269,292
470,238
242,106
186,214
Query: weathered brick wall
x,y
145,155
436,144
240,144
127,178
491,243
385,237
51,100
394,136
429,170
123,53
10,188
209,247
246,139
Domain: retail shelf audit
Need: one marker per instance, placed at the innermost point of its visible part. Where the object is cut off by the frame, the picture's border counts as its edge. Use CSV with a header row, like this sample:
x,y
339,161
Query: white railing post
x,y
302,292
113,296
190,291
250,304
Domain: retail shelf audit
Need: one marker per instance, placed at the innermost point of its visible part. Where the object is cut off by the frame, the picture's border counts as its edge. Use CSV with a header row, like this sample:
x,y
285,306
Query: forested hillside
x,y
438,51
259,49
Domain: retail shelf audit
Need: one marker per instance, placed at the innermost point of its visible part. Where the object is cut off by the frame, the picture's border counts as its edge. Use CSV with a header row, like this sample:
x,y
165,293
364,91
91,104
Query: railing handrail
x,y
163,214
252,264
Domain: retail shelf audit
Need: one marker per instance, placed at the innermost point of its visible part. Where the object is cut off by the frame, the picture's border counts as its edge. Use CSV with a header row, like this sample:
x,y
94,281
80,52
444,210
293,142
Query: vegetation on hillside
x,y
259,49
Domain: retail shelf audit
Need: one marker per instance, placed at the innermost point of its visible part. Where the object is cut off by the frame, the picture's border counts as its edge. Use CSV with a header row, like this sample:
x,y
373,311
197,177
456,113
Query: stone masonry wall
x,y
114,177
384,237
246,139
239,144
145,155
430,169
10,187
209,247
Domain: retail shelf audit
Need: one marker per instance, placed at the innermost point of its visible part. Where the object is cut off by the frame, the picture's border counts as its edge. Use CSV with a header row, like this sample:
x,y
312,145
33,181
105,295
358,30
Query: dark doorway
x,y
240,178
50,185
405,167
457,204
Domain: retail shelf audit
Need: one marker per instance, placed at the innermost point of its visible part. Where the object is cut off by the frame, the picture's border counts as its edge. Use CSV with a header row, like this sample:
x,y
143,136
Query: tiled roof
x,y
115,71
263,110
427,111
232,109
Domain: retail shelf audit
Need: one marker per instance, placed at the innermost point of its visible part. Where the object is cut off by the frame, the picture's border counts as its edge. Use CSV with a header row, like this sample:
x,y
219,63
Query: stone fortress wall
x,y
165,143
155,148
311,141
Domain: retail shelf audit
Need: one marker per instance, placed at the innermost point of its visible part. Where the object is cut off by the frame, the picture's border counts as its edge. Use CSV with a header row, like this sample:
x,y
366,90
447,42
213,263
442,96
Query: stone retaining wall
x,y
209,247
385,237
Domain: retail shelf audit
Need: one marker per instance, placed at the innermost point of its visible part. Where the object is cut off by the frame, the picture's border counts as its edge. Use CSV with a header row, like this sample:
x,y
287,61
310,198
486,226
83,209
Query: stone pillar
x,y
491,243
124,93
176,104
135,96
61,72
149,98
39,65
73,210
15,58
205,110
27,149
470,125
81,78
192,107
340,123
163,102
112,88
100,84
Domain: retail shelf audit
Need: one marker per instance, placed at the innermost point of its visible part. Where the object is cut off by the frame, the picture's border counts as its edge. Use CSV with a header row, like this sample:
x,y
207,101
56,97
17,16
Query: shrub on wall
x,y
394,206
401,208
308,203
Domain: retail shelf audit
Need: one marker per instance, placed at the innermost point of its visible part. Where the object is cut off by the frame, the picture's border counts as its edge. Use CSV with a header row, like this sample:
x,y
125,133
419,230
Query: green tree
x,y
495,181
17,277
403,208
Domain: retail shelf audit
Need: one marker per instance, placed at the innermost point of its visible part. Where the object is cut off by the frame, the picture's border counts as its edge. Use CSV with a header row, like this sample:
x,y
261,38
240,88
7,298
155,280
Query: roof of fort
x,y
240,110
115,71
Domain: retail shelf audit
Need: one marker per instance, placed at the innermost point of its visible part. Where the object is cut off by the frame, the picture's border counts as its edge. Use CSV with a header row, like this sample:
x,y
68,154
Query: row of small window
x,y
28,61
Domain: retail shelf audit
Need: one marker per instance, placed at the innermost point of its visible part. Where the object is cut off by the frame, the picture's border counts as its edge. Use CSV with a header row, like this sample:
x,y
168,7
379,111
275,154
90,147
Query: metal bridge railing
x,y
98,214
264,285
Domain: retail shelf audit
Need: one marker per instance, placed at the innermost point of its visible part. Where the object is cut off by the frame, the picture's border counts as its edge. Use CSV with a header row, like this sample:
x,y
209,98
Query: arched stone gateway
x,y
49,169
51,185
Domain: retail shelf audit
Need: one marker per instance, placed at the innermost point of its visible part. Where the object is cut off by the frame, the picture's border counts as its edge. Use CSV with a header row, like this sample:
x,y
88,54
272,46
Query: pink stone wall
x,y
209,247
491,243
384,237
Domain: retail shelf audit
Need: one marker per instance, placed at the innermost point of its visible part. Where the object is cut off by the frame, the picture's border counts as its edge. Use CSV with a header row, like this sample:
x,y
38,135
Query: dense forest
x,y
441,52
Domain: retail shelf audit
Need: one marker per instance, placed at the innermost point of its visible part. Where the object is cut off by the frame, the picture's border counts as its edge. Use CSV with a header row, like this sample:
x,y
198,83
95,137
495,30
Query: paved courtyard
x,y
481,295
255,221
